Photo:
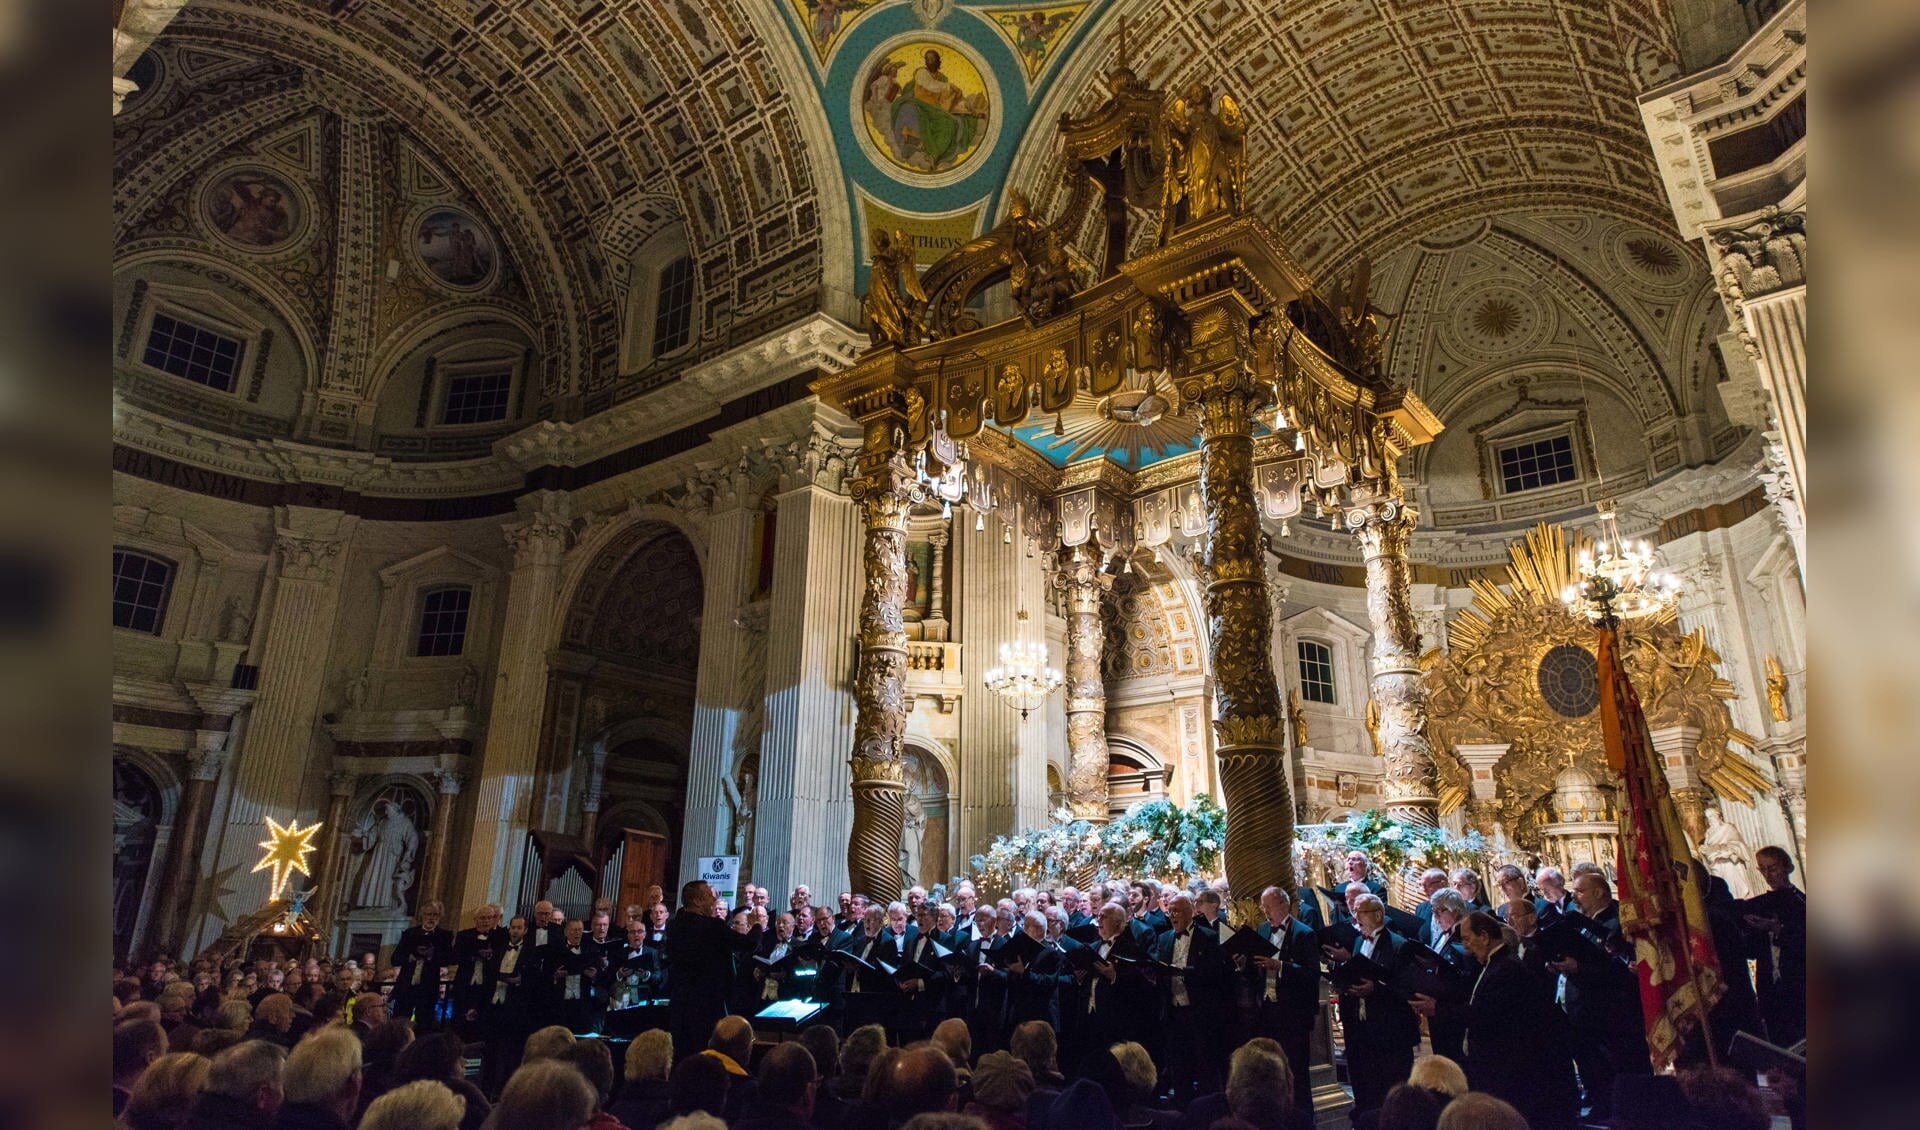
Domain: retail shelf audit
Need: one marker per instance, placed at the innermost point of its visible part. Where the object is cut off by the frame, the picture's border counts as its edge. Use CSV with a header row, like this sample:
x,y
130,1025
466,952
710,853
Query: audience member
x,y
164,1091
1260,1088
784,1088
1002,1084
1477,1111
242,1091
547,1094
595,1064
550,1042
423,1104
321,1081
442,1058
645,1097
136,1044
1036,1043
1438,1074
1142,1079
921,1080
1409,1106
379,1053
1724,1100
698,1083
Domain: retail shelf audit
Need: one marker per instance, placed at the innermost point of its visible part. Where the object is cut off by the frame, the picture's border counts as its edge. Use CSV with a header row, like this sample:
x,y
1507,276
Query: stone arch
x,y
930,772
1135,772
146,794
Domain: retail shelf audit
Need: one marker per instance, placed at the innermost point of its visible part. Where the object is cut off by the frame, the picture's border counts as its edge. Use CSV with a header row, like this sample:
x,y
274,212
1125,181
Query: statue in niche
x,y
743,803
1725,853
1777,690
467,690
913,830
357,689
1299,719
387,842
236,621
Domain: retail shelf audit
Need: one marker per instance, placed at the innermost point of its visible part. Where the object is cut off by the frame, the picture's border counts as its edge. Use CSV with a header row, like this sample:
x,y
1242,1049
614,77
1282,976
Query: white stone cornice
x,y
285,461
153,694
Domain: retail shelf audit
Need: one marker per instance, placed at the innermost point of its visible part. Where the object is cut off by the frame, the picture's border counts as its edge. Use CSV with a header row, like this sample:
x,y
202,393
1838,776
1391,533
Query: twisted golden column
x,y
1253,774
1411,786
1079,578
885,495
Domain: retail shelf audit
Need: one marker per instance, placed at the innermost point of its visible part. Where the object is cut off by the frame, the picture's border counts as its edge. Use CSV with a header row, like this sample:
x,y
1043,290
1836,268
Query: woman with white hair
x,y
424,1104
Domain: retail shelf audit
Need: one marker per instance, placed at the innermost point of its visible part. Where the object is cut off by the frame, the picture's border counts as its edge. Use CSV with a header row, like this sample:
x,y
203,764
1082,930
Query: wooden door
x,y
643,865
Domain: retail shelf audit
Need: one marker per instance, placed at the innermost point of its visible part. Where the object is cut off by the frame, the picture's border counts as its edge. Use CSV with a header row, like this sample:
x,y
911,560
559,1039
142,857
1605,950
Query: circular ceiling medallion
x,y
1653,260
1569,678
1494,320
255,209
454,248
926,108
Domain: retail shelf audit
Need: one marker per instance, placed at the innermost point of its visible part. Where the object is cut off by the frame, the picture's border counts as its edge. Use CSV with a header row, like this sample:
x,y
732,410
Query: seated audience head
x,y
249,1072
650,1056
424,1104
439,1056
550,1042
823,1043
1136,1067
235,1016
786,1080
210,1042
1082,1103
879,1077
952,1037
1002,1082
1439,1074
163,1092
733,1038
548,1094
136,1043
1477,1110
921,1079
862,1046
1259,1086
595,1064
1410,1107
370,1009
1035,1044
323,1070
1723,1099
698,1083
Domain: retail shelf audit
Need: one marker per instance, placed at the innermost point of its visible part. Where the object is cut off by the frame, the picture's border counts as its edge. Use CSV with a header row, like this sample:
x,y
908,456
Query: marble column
x,y
433,873
509,760
331,868
884,494
1081,581
1254,781
936,621
805,812
205,762
277,759
1411,786
997,790
730,570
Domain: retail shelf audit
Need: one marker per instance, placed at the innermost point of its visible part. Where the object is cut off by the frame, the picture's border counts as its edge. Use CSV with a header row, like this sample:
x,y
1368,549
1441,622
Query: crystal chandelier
x,y
1618,580
1022,676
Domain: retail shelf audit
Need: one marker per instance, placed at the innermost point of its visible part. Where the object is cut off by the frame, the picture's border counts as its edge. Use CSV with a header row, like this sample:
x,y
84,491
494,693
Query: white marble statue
x,y
913,828
1725,854
387,842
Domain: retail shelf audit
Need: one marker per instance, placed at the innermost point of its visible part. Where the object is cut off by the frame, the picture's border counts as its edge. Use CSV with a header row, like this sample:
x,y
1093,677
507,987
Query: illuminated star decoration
x,y
287,849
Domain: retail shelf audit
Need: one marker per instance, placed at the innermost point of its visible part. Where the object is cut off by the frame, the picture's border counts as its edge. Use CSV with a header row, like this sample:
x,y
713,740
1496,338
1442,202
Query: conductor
x,y
700,951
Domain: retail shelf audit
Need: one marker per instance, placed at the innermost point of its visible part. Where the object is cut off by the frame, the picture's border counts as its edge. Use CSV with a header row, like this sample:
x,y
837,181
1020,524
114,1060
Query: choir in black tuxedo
x,y
420,953
1107,1000
1603,1010
1517,1043
1381,1029
1189,970
700,951
475,953
1280,998
1777,941
574,978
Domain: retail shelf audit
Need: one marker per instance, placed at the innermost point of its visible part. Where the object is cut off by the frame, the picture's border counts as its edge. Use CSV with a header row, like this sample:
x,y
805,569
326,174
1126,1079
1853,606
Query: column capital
x,y
540,539
449,781
208,757
817,459
342,782
308,557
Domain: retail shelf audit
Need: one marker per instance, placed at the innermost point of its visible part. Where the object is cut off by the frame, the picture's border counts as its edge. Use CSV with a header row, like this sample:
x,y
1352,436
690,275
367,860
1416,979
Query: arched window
x,y
673,307
1316,671
443,620
141,585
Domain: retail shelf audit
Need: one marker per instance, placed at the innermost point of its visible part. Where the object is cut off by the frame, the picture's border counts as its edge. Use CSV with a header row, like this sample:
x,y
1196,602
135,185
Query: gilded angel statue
x,y
894,300
1206,161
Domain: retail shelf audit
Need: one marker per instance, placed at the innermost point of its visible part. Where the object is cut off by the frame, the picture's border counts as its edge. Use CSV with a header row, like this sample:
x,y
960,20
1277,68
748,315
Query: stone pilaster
x,y
277,758
1253,772
207,759
805,812
509,759
331,868
591,793
1677,748
433,873
1084,586
718,705
1412,786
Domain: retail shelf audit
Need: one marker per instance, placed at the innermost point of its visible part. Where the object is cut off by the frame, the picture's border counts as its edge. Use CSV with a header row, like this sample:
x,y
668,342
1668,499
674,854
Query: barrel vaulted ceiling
x,y
1487,156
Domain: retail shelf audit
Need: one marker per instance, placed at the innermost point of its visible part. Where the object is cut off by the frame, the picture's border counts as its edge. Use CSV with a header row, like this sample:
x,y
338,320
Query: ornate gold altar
x,y
1214,330
1512,711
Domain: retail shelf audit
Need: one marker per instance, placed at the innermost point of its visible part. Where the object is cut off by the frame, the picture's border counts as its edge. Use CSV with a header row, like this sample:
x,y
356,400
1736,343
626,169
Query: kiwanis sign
x,y
722,873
